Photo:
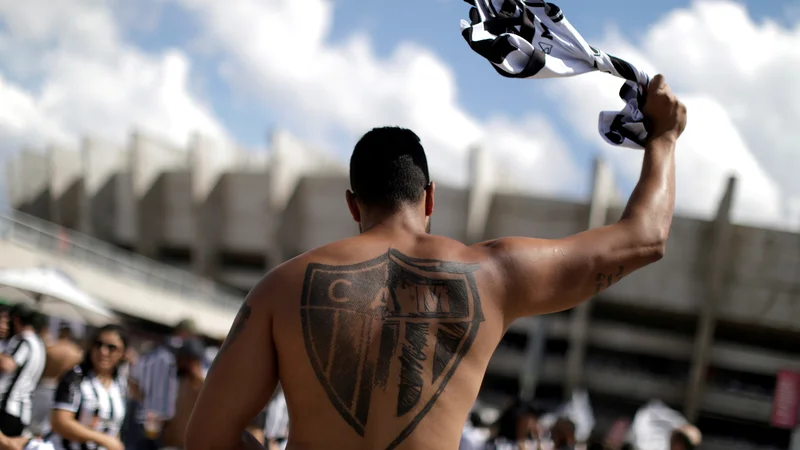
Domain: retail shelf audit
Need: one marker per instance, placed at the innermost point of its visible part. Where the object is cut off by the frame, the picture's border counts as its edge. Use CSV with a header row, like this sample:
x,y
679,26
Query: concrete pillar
x,y
534,358
602,195
101,162
12,183
34,183
66,176
704,337
481,193
149,158
290,161
208,161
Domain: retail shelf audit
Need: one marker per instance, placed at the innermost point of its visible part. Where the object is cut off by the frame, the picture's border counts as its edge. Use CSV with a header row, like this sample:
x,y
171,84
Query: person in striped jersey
x,y
22,365
90,400
154,383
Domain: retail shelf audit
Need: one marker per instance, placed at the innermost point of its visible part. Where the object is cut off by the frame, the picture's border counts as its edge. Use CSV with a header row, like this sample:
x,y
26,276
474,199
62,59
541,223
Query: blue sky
x,y
104,67
430,23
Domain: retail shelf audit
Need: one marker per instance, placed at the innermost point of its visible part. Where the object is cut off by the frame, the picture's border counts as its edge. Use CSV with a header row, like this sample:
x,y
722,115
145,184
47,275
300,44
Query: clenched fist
x,y
666,115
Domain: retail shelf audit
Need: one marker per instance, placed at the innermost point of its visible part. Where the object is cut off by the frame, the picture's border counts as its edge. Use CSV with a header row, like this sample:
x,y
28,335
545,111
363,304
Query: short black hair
x,y
192,350
40,322
682,439
389,168
26,315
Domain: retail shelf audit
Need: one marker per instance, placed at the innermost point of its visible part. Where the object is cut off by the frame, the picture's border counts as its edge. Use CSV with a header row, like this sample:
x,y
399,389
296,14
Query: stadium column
x,y
602,196
150,159
207,215
99,208
34,187
290,161
65,181
13,180
481,193
704,336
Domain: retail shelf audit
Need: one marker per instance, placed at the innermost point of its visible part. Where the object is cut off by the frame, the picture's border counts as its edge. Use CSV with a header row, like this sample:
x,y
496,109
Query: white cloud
x,y
324,89
738,79
85,79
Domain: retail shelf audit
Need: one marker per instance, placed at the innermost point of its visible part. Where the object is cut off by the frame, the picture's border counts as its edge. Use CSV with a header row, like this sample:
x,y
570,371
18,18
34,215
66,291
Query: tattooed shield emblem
x,y
390,331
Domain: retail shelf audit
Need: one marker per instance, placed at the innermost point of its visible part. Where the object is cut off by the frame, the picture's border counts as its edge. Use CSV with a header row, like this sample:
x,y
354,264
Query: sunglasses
x,y
101,345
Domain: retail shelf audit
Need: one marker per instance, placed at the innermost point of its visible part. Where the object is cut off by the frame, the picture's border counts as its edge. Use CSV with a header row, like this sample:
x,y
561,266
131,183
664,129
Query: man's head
x,y
185,329
5,322
687,437
563,433
190,358
41,323
22,317
65,333
389,174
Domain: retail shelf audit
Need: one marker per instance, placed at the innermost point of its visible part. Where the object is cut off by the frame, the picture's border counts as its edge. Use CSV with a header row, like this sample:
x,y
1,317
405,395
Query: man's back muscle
x,y
385,336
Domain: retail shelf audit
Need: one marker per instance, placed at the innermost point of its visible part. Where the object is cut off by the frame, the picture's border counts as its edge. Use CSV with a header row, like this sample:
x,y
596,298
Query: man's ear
x,y
352,204
429,191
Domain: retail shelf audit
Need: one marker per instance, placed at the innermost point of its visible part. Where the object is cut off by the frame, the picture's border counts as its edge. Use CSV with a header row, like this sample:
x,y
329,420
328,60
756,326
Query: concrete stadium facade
x,y
725,299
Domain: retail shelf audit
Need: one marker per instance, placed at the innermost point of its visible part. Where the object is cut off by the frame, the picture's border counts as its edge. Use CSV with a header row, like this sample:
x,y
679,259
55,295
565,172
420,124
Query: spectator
x,y
61,357
562,433
153,382
687,437
90,401
190,380
517,428
22,365
276,429
5,326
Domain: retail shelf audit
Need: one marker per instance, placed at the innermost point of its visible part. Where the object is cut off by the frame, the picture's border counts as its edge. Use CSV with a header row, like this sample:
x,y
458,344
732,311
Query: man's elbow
x,y
650,241
654,248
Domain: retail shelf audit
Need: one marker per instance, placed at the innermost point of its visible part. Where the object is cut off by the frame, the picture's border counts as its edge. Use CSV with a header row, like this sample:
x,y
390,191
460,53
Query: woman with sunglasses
x,y
90,399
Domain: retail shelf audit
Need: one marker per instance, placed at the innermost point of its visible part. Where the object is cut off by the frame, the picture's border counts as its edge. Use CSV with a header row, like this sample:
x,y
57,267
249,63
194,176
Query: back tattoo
x,y
427,314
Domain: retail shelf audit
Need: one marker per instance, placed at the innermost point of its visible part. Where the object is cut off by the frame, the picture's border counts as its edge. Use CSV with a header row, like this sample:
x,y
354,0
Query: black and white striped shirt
x,y
28,352
156,374
95,406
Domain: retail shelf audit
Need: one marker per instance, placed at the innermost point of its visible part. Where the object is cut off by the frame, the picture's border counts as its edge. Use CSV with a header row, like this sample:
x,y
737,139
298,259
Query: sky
x,y
328,71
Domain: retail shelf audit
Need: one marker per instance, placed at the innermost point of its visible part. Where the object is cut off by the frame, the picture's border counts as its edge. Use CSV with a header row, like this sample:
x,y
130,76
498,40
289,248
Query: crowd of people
x,y
525,426
63,391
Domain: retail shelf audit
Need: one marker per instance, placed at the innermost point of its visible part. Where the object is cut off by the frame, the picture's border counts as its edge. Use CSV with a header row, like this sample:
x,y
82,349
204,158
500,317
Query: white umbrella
x,y
55,294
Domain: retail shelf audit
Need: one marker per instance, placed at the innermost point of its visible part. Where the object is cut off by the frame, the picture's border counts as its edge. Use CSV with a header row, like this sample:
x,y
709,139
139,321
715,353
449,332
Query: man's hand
x,y
664,112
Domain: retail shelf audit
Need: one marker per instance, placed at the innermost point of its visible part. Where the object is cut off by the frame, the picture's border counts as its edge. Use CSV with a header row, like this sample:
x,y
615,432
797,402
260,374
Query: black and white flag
x,y
527,39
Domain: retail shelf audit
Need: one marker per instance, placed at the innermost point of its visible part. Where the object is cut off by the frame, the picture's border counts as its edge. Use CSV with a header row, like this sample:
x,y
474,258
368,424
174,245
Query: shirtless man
x,y
190,380
381,341
61,356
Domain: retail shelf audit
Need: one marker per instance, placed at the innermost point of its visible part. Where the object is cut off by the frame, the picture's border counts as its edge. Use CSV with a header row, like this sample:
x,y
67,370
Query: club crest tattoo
x,y
391,330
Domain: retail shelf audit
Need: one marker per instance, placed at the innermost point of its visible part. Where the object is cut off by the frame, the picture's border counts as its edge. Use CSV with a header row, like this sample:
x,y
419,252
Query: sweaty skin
x,y
381,340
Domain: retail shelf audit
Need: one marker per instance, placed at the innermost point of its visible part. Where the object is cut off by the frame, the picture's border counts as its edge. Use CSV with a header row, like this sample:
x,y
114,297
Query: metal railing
x,y
40,234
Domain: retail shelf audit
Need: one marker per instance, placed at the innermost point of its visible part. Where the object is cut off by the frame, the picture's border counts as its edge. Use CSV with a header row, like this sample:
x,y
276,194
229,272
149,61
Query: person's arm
x,y
67,400
241,379
19,354
539,276
12,443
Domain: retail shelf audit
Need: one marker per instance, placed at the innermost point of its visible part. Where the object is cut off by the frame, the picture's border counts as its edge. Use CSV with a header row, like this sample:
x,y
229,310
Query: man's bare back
x,y
62,355
395,336
381,341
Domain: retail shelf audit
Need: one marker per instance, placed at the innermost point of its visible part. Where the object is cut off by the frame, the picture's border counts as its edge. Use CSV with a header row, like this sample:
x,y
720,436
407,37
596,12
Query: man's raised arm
x,y
543,276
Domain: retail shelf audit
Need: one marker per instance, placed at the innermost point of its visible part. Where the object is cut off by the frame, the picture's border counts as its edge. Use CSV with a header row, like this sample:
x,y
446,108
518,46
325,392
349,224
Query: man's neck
x,y
407,220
